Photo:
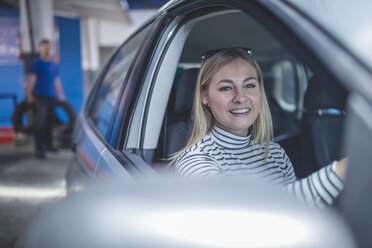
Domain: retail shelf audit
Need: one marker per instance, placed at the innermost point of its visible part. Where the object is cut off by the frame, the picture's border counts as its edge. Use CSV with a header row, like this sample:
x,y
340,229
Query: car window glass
x,y
112,82
284,86
289,92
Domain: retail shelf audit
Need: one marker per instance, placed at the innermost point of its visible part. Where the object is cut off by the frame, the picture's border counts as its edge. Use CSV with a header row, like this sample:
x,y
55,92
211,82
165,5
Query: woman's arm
x,y
320,188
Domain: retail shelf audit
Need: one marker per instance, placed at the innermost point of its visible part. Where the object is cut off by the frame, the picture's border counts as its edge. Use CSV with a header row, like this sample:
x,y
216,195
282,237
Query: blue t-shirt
x,y
46,72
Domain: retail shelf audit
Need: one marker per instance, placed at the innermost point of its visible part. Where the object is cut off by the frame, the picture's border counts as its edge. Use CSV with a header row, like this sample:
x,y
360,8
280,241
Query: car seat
x,y
284,122
280,84
321,124
179,124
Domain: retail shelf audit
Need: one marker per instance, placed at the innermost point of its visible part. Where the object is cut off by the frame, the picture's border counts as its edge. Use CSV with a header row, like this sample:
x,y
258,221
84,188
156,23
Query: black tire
x,y
33,122
62,139
65,127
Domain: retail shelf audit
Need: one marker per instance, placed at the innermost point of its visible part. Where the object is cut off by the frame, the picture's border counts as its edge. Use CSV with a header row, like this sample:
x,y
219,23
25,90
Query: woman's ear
x,y
204,97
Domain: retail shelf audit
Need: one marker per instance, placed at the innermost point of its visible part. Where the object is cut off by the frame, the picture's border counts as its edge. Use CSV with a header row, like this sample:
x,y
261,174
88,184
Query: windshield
x,y
348,21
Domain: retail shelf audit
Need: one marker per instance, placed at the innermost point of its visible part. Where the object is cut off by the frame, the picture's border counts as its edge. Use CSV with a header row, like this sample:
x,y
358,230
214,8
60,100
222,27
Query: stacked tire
x,y
26,119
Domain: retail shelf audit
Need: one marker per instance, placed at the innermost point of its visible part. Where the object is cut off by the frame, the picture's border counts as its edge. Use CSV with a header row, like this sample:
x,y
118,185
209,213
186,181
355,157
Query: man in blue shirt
x,y
44,86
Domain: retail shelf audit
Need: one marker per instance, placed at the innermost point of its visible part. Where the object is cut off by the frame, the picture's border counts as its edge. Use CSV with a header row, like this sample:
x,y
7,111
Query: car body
x,y
125,129
156,213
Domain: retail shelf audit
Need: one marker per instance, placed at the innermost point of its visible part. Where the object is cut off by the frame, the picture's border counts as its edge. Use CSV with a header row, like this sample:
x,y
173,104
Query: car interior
x,y
307,109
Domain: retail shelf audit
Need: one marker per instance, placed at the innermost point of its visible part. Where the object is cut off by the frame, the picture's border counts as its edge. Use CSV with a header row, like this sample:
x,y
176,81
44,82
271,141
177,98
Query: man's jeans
x,y
44,133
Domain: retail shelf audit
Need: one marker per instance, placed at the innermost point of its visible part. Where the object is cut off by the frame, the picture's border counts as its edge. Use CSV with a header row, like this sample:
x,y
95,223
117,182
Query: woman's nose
x,y
239,96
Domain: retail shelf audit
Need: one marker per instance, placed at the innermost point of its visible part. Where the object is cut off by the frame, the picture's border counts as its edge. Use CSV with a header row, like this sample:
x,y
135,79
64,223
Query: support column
x,y
25,31
36,24
41,20
90,50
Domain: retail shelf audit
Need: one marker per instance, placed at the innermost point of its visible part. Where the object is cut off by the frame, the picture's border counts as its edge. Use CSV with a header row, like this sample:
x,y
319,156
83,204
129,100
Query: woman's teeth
x,y
240,111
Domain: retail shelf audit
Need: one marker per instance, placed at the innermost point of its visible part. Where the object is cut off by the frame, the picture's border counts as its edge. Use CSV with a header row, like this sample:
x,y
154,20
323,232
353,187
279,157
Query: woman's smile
x,y
240,112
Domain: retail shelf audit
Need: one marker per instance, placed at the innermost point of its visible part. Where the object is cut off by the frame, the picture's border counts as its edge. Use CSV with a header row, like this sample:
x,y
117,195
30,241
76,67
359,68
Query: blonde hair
x,y
202,123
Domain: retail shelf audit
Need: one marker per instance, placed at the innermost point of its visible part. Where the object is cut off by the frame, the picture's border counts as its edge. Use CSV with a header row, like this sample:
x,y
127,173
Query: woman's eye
x,y
225,88
249,86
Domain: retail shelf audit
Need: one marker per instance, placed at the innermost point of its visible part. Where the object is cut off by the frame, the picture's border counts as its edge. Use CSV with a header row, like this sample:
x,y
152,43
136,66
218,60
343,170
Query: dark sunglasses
x,y
206,55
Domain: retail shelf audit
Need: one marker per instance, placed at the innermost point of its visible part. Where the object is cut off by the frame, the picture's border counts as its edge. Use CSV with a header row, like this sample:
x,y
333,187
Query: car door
x,y
119,81
342,47
113,162
355,203
93,152
139,135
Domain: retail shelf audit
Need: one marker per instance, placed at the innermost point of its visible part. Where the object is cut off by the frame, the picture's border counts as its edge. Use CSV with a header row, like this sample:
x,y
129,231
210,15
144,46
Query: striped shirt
x,y
223,153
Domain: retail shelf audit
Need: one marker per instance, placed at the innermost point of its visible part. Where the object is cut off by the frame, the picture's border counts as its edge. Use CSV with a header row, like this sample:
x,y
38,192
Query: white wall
x,y
103,33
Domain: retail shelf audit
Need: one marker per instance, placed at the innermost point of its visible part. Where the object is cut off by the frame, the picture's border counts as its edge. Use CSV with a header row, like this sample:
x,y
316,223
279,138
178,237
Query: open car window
x,y
297,112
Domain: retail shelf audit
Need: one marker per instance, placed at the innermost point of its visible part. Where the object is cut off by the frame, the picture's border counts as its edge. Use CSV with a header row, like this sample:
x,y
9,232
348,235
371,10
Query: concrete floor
x,y
27,185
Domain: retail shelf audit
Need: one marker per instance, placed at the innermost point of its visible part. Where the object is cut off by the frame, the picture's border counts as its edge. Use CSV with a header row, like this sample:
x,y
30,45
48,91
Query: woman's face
x,y
234,97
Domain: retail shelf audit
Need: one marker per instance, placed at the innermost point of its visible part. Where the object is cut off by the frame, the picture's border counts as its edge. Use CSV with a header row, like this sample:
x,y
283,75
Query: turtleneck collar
x,y
229,140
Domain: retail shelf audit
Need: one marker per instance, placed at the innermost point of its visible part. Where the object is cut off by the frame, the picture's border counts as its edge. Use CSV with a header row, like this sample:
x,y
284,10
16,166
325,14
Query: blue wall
x,y
11,78
6,12
70,61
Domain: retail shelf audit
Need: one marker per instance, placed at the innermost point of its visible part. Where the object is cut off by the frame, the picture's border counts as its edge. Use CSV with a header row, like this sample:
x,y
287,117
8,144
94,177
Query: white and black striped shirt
x,y
224,153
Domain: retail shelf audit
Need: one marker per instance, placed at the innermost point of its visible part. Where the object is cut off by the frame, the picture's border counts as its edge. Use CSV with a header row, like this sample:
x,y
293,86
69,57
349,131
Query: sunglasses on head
x,y
207,54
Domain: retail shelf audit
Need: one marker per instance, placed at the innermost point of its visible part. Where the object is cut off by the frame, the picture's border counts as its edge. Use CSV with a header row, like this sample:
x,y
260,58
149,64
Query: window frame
x,y
262,11
139,71
88,108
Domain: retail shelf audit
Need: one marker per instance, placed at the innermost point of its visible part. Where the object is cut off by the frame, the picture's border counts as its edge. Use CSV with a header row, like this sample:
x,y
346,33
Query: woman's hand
x,y
341,167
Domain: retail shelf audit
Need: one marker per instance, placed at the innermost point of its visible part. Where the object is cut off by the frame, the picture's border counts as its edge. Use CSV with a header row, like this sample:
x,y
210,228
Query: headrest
x,y
185,90
321,94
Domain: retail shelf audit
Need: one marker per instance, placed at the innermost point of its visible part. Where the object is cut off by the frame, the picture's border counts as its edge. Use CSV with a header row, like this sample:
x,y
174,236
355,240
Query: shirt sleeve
x,y
318,189
197,165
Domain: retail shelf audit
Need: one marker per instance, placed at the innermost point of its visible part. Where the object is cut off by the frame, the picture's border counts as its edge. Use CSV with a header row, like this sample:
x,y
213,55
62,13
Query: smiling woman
x,y
232,130
229,82
233,96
